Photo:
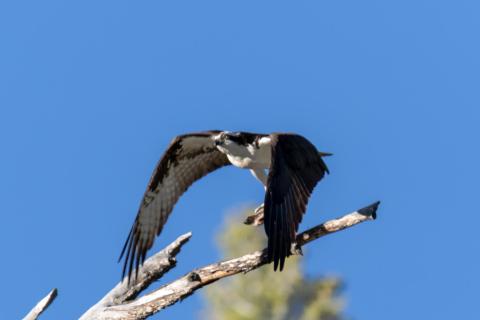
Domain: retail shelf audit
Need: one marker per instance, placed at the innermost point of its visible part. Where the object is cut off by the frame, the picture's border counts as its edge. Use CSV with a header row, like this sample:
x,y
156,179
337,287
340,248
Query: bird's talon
x,y
259,209
257,218
296,249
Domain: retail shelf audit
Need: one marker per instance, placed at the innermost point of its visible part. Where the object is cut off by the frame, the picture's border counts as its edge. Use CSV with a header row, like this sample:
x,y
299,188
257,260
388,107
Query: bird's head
x,y
224,138
223,141
220,139
228,138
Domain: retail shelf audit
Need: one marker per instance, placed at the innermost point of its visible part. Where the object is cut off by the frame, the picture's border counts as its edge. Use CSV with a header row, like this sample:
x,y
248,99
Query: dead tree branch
x,y
152,270
118,303
121,301
41,306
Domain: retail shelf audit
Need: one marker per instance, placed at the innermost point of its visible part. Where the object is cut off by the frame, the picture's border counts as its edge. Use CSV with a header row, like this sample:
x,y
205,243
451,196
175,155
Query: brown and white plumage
x,y
188,158
294,164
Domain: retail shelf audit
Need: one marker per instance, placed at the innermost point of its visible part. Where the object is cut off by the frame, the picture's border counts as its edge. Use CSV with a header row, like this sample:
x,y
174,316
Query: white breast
x,y
250,156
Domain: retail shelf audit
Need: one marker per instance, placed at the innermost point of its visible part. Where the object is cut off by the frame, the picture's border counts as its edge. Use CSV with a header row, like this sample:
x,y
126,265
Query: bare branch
x,y
181,288
41,306
152,270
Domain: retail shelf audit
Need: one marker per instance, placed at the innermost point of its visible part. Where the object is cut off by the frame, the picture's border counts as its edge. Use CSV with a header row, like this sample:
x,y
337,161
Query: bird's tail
x,y
325,154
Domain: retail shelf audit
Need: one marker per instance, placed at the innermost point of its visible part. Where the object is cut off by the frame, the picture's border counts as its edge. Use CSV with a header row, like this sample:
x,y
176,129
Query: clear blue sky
x,y
91,93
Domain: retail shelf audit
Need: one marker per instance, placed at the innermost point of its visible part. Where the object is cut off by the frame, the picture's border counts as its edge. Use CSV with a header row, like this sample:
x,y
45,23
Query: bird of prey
x,y
287,164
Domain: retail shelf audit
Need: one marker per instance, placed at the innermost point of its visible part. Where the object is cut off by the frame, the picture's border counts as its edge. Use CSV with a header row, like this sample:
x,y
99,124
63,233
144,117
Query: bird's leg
x,y
296,249
257,218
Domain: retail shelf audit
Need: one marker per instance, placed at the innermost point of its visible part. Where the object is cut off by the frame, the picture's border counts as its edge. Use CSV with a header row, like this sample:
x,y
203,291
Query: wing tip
x,y
278,261
278,250
130,255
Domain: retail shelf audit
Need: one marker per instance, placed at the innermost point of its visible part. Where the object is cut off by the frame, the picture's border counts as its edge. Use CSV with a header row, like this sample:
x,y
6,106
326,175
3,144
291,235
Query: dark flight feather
x,y
295,170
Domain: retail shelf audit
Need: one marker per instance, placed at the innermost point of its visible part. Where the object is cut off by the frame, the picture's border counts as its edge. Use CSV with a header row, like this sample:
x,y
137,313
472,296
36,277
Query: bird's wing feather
x,y
188,158
295,170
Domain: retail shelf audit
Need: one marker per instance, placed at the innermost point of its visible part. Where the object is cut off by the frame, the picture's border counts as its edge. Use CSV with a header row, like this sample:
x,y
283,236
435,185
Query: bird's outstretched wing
x,y
295,170
188,158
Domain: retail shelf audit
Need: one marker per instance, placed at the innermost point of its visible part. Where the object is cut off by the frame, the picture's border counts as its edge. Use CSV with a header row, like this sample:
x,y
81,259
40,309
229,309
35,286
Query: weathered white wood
x,y
41,306
120,302
181,288
152,270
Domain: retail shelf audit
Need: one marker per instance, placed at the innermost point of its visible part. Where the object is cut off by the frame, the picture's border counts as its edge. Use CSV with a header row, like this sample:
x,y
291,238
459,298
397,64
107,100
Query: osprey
x,y
294,167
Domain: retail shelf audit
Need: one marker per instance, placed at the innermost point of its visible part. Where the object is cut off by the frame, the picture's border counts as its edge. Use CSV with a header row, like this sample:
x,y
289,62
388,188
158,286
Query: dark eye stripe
x,y
237,139
244,138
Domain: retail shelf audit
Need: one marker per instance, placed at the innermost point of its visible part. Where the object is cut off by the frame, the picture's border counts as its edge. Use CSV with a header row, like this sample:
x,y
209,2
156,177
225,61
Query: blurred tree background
x,y
264,294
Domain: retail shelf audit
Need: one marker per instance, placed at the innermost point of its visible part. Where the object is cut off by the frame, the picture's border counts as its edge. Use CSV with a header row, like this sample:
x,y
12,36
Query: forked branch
x,y
123,308
41,305
122,302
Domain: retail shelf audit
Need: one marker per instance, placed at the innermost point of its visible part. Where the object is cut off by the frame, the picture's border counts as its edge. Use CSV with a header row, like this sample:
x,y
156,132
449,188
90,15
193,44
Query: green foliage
x,y
264,294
